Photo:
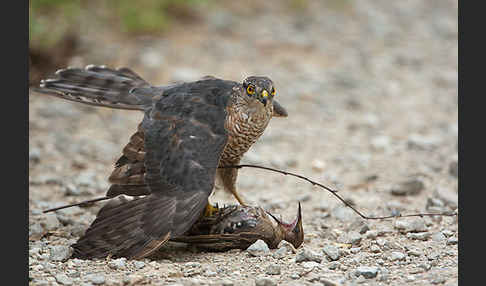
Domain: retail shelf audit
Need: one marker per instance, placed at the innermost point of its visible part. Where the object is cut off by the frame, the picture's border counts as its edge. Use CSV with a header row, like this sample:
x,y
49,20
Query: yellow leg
x,y
210,210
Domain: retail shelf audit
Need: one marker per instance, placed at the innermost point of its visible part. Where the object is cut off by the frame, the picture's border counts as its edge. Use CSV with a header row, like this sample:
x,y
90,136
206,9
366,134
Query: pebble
x,y
64,279
281,252
139,264
352,237
258,248
367,272
117,263
409,187
265,282
310,264
333,265
308,255
375,248
452,240
332,252
60,252
411,225
421,142
36,231
438,237
395,255
96,279
273,269
51,222
419,235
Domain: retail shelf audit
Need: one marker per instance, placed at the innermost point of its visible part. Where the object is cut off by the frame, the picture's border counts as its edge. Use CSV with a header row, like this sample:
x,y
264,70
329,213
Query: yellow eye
x,y
250,89
274,91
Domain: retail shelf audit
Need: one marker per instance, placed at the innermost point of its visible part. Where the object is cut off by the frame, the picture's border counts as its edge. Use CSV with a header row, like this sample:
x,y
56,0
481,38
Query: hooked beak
x,y
264,97
294,232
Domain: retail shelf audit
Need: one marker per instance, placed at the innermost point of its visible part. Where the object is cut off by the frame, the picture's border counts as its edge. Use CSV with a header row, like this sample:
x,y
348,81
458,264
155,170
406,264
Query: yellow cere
x,y
265,93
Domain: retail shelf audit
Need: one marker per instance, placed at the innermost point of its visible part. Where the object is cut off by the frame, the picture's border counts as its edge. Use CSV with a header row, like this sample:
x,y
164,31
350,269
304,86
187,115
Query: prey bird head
x,y
292,232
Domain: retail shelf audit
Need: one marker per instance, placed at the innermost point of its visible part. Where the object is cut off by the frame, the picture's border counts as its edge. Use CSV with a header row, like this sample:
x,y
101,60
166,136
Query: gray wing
x,y
183,138
101,86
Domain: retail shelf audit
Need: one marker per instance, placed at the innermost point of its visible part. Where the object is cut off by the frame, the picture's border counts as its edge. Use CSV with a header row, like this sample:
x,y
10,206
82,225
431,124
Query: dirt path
x,y
371,91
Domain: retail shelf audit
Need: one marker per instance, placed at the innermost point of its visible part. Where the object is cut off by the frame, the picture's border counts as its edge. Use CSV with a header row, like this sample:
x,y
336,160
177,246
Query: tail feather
x,y
101,86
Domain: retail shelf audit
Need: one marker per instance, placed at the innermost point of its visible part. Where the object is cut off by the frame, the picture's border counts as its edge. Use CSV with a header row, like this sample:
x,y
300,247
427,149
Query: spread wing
x,y
183,137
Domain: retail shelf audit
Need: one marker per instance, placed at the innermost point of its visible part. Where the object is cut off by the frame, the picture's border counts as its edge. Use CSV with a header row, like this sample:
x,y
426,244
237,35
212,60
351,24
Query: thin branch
x,y
334,192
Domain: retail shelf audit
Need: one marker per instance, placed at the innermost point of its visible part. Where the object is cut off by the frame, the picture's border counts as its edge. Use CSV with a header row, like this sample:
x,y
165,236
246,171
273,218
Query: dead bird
x,y
230,227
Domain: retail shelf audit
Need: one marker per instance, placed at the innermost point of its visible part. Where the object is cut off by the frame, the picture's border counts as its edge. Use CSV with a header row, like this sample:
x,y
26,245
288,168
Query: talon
x,y
211,210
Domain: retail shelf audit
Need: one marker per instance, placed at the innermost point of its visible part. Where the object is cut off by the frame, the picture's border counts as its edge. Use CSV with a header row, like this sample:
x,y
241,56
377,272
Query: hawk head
x,y
260,88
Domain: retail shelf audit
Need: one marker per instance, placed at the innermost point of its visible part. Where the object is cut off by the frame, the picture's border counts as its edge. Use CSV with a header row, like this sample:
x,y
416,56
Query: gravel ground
x,y
371,91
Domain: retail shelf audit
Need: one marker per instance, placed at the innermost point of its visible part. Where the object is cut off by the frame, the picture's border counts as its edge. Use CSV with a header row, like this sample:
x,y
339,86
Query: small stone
x,y
318,165
117,263
265,282
372,234
381,143
36,231
419,235
375,248
72,190
281,252
308,255
326,282
60,253
414,252
258,248
332,252
409,187
421,142
367,272
452,240
395,255
333,265
64,279
210,273
139,264
96,279
438,237
273,269
51,222
411,225
294,276
310,264
352,237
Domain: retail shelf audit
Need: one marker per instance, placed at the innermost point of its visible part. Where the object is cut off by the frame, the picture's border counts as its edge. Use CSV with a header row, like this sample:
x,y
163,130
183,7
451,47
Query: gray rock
x,y
273,269
310,264
352,237
139,264
265,282
452,240
36,231
395,255
258,248
294,276
96,279
60,252
64,279
375,248
51,222
117,263
281,252
419,235
449,197
367,272
332,252
308,255
438,237
411,225
409,187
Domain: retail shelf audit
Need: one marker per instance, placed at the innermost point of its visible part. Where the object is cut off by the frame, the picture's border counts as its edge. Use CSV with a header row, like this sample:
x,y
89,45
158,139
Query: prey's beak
x,y
293,232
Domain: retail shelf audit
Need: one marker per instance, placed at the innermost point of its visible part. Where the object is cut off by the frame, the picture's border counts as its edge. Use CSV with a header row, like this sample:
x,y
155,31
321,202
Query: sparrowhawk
x,y
188,130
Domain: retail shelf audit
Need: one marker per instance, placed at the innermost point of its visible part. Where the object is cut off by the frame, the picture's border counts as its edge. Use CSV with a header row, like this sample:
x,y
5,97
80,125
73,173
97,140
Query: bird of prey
x,y
230,227
189,130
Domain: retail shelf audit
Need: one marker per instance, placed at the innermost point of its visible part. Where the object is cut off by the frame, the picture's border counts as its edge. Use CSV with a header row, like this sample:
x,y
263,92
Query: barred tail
x,y
101,86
